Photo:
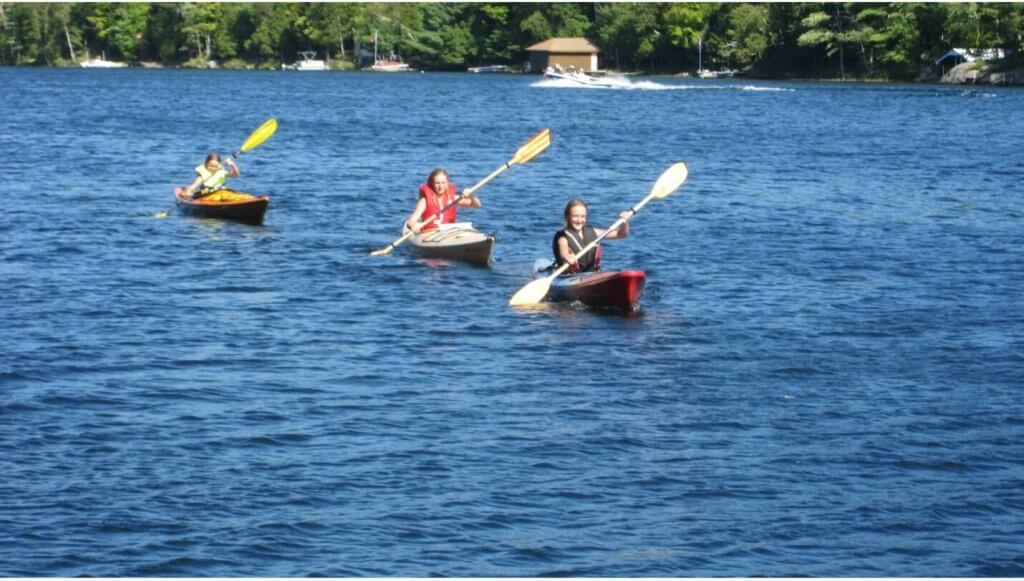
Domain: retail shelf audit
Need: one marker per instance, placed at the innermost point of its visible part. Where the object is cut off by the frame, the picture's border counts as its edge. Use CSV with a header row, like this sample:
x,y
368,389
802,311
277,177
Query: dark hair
x,y
434,174
568,208
215,156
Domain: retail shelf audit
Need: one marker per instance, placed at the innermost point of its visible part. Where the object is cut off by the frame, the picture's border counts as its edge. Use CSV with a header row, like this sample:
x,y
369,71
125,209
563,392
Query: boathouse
x,y
567,52
956,56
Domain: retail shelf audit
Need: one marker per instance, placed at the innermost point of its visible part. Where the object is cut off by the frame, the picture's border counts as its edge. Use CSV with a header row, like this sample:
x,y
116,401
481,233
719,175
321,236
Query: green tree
x,y
628,33
491,26
274,40
749,31
973,25
203,24
832,28
536,28
566,19
119,26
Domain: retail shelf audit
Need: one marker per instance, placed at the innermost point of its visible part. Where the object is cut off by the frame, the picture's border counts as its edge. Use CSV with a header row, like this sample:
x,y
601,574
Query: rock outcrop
x,y
983,74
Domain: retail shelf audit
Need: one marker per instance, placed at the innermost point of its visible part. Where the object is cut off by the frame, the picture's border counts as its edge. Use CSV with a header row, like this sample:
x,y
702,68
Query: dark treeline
x,y
856,40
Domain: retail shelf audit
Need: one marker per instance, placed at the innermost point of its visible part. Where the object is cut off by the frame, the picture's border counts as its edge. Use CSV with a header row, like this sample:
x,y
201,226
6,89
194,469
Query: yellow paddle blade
x,y
670,180
531,294
533,147
262,133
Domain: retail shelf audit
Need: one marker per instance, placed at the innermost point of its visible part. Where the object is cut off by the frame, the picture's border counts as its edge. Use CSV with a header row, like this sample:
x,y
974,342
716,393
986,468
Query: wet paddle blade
x,y
533,147
531,294
670,180
262,133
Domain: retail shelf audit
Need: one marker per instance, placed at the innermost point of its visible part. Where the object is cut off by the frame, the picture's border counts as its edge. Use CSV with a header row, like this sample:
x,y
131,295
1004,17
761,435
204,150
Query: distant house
x,y
567,52
956,56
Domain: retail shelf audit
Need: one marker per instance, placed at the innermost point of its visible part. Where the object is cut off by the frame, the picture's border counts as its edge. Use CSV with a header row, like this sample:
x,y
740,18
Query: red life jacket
x,y
427,193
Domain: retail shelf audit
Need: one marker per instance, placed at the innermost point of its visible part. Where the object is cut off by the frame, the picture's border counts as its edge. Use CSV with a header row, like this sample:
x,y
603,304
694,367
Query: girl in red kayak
x,y
211,175
577,234
437,195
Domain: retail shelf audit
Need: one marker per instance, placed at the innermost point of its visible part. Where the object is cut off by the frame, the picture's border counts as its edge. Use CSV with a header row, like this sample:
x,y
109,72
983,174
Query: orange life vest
x,y
427,193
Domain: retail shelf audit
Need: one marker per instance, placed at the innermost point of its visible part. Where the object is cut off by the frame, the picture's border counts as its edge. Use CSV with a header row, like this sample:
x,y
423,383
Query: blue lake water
x,y
824,377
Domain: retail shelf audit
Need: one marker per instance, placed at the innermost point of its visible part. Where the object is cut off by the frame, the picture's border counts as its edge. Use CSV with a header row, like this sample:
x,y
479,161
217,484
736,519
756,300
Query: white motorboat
x,y
308,63
102,63
577,77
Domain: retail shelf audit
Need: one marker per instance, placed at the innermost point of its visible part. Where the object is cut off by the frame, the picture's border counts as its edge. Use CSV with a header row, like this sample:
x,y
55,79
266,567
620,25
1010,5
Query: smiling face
x,y
576,217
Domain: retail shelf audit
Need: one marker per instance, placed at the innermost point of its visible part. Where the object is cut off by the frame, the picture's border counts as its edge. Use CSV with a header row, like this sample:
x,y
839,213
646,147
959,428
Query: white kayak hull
x,y
458,241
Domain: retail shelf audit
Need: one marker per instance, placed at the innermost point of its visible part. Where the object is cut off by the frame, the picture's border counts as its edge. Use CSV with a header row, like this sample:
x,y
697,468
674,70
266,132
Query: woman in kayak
x,y
436,195
211,175
577,234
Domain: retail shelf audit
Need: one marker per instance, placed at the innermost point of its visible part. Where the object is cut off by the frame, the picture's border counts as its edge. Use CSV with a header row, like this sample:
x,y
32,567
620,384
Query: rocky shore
x,y
981,74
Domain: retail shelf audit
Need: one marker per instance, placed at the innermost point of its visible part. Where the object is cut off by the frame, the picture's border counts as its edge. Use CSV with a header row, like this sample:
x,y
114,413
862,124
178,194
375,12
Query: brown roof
x,y
565,45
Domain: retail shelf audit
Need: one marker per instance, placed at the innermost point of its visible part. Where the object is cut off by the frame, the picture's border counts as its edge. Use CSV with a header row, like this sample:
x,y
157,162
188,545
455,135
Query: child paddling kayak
x,y
577,234
211,175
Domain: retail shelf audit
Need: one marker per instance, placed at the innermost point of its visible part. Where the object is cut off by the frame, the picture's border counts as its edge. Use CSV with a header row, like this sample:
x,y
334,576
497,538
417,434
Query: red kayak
x,y
225,204
613,288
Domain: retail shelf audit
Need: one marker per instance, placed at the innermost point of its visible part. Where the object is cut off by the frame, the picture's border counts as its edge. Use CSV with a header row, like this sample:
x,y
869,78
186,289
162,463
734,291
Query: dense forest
x,y
822,40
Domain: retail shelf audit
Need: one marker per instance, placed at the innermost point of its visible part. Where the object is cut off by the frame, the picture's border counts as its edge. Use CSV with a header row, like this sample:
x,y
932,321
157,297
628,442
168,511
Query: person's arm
x,y
234,168
620,232
192,187
414,220
566,254
470,201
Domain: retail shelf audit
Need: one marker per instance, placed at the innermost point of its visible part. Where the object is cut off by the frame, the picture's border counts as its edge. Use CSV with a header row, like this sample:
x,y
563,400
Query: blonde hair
x,y
435,173
568,208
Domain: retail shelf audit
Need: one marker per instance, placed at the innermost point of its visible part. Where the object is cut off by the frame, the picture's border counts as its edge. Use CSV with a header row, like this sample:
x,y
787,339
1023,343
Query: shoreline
x,y
962,75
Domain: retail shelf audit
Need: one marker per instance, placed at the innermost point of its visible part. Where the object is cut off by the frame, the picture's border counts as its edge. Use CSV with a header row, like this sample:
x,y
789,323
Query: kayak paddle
x,y
535,291
257,137
531,149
